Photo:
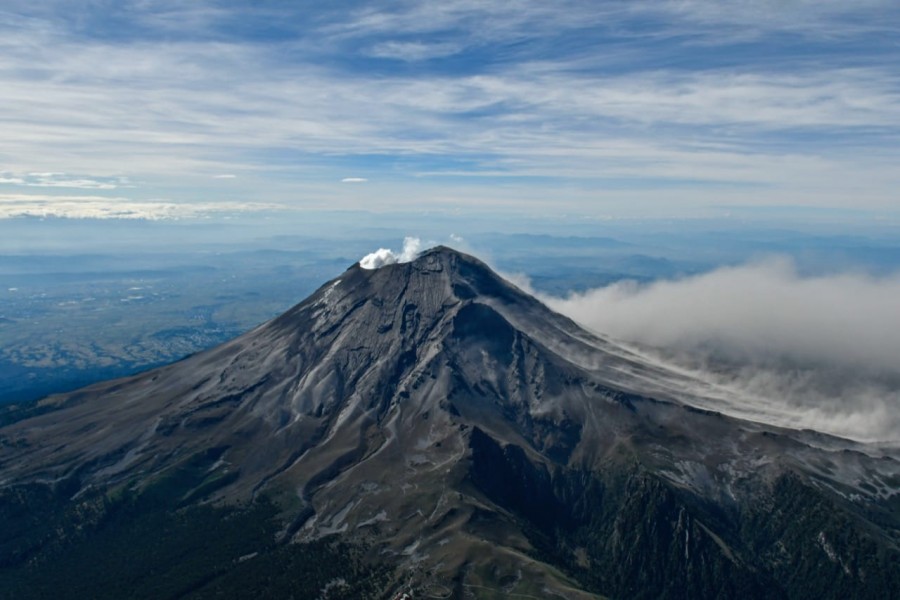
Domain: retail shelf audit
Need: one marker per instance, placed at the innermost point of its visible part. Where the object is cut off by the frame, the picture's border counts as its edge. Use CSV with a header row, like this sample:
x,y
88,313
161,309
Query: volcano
x,y
427,428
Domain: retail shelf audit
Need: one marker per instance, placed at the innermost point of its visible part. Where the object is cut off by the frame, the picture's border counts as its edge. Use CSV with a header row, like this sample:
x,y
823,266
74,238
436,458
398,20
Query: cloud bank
x,y
64,180
412,247
102,207
756,309
818,352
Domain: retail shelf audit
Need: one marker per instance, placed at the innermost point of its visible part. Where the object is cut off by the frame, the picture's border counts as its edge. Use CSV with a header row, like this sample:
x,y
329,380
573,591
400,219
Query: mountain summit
x,y
453,430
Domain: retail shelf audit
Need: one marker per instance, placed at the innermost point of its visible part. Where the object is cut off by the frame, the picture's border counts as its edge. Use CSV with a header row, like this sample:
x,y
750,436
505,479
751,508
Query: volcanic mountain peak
x,y
461,274
396,302
471,434
435,281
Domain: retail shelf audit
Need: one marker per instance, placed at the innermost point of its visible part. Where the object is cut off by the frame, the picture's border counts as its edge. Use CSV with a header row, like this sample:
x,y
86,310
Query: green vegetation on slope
x,y
140,545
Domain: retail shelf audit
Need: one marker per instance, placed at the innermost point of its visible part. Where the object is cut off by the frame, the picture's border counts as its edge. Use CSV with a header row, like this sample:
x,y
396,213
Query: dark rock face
x,y
454,430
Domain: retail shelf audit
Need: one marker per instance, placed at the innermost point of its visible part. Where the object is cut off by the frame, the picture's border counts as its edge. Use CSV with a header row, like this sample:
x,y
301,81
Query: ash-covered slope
x,y
477,441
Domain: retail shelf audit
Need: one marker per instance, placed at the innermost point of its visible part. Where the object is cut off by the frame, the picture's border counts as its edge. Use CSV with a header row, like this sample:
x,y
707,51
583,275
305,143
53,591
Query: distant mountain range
x,y
427,428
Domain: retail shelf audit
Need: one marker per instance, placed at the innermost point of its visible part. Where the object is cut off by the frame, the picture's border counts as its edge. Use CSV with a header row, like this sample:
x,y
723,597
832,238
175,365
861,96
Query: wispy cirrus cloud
x,y
413,51
609,93
827,19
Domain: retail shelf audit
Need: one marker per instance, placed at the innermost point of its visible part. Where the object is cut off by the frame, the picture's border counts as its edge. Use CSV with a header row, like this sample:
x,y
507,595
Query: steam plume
x,y
412,247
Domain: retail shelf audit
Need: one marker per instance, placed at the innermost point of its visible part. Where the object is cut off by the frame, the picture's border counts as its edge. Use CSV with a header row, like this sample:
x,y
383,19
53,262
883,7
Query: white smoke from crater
x,y
412,247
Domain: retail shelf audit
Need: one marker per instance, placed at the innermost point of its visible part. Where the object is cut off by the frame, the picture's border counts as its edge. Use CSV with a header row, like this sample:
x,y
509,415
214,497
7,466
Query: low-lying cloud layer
x,y
820,352
753,310
64,180
412,246
102,207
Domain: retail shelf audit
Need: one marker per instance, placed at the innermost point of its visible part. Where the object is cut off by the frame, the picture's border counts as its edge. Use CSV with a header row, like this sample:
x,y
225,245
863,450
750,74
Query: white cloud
x,y
512,19
201,104
821,352
225,176
758,309
414,51
102,207
827,19
354,180
412,247
553,123
63,180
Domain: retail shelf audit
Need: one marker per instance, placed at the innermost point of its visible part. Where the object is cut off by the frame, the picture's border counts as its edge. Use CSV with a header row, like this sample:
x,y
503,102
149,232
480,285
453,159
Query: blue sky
x,y
162,109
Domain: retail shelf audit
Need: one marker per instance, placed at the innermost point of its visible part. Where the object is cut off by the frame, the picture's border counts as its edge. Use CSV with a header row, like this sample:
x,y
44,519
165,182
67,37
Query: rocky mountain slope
x,y
428,427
